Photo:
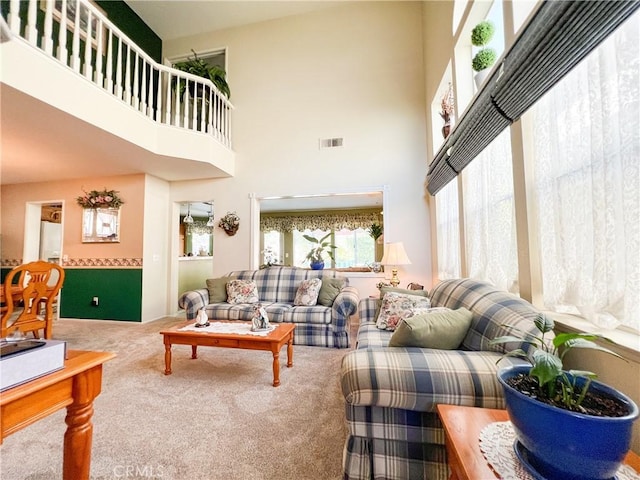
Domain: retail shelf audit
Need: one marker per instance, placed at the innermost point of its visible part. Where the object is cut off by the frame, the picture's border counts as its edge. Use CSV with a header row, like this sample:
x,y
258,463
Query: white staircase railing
x,y
79,36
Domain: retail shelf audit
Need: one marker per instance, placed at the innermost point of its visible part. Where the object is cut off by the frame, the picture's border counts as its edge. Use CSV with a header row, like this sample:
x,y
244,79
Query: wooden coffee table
x,y
273,341
462,426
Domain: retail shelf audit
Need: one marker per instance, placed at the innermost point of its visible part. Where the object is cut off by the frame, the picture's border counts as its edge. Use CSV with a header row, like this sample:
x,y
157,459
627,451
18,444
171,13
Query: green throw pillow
x,y
329,290
438,329
405,291
218,289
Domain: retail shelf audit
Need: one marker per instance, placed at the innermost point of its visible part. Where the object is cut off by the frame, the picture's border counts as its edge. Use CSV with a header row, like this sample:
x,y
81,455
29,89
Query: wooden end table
x,y
462,427
273,342
74,387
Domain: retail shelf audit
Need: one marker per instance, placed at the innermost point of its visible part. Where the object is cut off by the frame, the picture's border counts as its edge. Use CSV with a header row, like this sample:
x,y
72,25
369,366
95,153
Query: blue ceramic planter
x,y
565,445
317,265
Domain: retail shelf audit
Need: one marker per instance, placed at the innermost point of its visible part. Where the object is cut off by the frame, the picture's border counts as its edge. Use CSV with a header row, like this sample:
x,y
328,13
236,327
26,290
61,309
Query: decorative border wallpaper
x,y
84,262
103,262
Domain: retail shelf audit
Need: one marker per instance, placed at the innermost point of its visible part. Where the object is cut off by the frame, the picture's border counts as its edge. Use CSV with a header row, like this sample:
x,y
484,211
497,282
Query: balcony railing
x,y
80,37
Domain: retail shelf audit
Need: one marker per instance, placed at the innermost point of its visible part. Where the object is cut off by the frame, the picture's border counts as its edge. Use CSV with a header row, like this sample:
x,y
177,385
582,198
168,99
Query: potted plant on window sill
x,y
322,246
481,35
567,425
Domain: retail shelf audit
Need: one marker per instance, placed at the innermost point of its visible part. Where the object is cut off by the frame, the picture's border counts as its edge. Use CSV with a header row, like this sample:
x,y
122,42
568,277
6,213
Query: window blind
x,y
558,36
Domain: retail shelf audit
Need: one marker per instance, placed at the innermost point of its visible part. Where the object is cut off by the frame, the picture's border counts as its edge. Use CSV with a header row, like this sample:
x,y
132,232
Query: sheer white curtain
x,y
448,231
587,177
489,216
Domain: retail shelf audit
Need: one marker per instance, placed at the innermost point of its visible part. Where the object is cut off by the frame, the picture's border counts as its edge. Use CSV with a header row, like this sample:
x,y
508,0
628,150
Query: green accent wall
x,y
119,293
133,27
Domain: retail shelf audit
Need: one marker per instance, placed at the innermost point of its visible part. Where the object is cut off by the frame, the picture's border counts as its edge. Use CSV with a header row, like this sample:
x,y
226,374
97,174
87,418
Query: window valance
x,y
325,221
558,36
199,227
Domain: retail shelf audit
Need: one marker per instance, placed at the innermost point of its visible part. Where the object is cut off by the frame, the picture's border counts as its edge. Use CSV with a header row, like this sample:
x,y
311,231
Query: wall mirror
x,y
346,217
101,225
197,224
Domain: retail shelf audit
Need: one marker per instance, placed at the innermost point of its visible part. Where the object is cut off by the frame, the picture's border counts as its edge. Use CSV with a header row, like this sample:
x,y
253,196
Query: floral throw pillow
x,y
308,291
242,291
396,307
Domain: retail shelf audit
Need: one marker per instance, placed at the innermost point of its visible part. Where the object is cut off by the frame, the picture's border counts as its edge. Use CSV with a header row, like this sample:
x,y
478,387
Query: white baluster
x,y
32,32
109,60
127,77
168,101
210,112
155,93
143,95
88,45
99,48
75,45
177,102
63,55
14,16
216,123
47,38
186,103
136,83
119,70
196,104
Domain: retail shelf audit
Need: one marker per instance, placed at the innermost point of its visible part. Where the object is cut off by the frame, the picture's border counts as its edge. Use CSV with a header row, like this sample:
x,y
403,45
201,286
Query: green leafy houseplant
x,y
566,424
375,231
320,247
197,66
555,385
483,59
481,35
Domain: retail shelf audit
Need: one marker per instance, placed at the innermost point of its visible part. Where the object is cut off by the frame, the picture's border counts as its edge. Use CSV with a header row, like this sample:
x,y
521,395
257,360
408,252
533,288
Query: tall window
x,y
356,248
448,232
587,178
489,216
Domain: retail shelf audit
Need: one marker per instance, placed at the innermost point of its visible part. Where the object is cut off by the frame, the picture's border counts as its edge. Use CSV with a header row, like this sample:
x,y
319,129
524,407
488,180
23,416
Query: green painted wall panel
x,y
119,293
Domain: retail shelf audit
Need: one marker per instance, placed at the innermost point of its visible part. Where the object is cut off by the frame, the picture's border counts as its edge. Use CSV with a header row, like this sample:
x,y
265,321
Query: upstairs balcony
x,y
71,78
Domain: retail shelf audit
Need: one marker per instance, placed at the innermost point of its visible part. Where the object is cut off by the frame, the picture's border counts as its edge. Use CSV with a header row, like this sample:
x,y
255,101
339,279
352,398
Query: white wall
x,y
156,252
353,71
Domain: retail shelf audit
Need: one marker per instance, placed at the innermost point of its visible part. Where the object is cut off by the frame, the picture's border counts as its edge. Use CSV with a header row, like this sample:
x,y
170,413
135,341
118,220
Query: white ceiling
x,y
171,19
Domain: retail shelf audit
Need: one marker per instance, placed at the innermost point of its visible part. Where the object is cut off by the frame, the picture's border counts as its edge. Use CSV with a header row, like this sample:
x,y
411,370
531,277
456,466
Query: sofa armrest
x,y
193,300
345,305
420,378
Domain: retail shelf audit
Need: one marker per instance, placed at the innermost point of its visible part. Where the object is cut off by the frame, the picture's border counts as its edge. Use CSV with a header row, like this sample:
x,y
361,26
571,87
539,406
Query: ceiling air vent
x,y
330,142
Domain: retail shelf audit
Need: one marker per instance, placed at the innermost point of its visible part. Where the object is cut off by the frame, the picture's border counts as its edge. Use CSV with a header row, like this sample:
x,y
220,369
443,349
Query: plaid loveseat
x,y
277,287
391,393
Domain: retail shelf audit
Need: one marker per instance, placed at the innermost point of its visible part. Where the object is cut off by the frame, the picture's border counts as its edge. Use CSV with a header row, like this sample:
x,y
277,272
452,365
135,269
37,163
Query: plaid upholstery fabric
x,y
280,284
492,310
391,393
370,458
277,287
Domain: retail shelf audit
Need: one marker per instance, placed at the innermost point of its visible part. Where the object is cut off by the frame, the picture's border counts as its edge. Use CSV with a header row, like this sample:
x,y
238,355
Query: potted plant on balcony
x,y
199,67
481,35
567,425
321,246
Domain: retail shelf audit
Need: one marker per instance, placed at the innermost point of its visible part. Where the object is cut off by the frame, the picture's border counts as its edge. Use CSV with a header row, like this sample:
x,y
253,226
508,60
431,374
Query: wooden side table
x,y
462,427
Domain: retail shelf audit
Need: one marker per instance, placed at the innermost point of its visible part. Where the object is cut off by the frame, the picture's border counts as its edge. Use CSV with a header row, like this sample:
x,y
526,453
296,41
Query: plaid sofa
x,y
277,287
391,393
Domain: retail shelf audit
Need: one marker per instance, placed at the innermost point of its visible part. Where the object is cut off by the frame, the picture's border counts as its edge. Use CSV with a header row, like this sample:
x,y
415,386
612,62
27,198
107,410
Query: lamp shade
x,y
394,254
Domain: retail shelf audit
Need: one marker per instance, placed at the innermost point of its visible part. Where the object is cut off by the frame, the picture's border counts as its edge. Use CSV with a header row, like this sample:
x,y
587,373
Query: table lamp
x,y
395,255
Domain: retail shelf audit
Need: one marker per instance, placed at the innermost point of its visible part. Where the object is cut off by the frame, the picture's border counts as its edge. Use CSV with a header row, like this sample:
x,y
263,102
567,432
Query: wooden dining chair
x,y
29,302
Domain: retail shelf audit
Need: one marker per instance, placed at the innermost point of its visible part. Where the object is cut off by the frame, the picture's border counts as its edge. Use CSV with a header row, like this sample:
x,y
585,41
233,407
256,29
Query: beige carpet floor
x,y
216,417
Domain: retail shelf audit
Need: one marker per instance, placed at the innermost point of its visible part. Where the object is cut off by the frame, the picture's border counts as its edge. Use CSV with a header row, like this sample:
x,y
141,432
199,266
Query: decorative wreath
x,y
100,199
230,223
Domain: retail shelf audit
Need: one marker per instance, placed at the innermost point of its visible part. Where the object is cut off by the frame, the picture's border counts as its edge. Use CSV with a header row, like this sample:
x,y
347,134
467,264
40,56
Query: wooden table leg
x,y
167,359
290,351
276,367
194,351
78,437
